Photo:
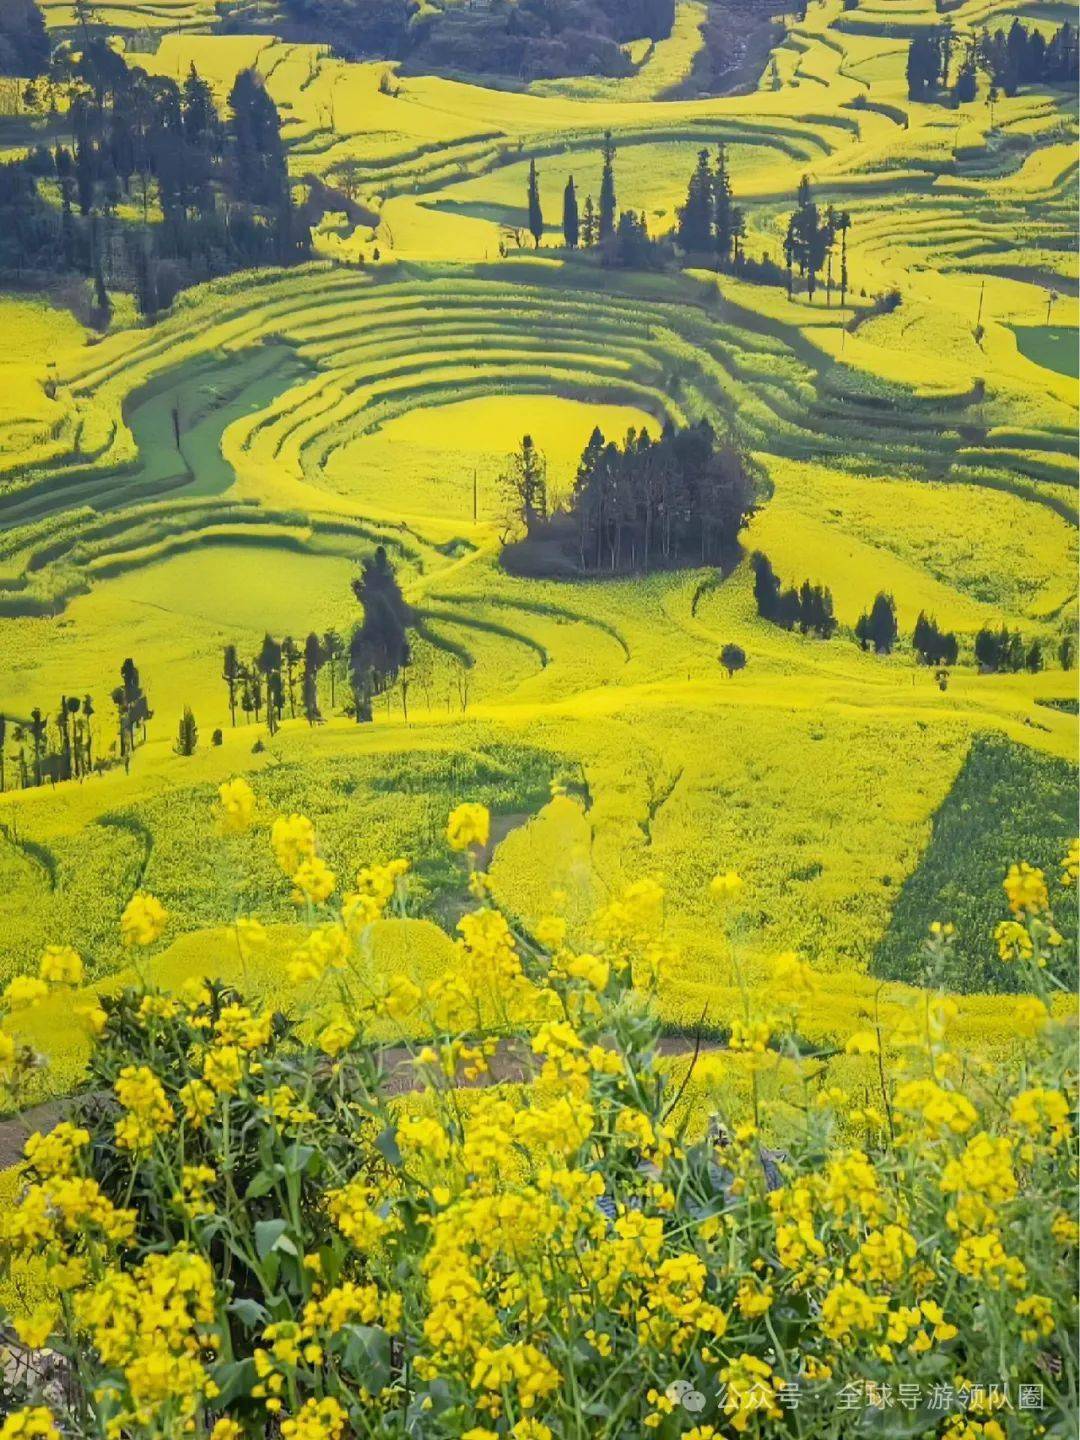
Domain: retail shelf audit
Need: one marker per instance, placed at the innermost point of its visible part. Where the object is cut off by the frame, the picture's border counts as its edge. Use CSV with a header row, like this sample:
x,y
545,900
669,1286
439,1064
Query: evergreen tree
x,y
843,225
290,660
314,658
382,648
883,629
38,727
536,214
728,222
523,485
230,673
696,216
187,738
766,587
606,219
268,666
807,239
589,224
987,650
788,609
571,224
332,651
965,87
137,708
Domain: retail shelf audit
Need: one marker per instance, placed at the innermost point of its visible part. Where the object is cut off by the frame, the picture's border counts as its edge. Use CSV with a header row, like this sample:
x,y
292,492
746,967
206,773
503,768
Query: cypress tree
x,y
588,226
536,214
696,216
571,224
606,221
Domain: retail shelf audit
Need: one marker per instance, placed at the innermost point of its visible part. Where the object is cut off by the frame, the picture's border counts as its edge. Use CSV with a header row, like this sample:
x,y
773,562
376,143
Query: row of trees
x,y
61,747
814,243
807,607
1005,649
710,224
282,673
211,194
933,645
582,226
285,674
621,237
1010,59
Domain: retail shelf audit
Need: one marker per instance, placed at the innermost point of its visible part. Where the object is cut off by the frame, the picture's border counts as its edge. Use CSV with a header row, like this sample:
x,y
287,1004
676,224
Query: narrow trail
x,y
512,1063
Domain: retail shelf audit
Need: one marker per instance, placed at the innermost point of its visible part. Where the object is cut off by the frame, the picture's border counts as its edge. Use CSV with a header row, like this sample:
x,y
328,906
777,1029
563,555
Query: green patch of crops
x,y
1008,801
369,809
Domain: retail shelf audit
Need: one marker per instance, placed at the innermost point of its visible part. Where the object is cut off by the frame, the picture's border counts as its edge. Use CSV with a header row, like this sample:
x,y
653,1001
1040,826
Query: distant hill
x,y
523,39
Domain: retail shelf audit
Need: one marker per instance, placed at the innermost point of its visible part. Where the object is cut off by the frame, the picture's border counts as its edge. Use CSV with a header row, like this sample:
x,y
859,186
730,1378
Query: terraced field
x,y
170,489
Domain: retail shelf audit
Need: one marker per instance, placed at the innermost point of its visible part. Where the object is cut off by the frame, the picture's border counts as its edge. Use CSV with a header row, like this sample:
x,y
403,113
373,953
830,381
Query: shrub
x,y
249,1233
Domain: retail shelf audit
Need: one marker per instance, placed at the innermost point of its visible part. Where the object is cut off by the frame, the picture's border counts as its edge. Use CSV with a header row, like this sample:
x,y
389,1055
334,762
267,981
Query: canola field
x,y
167,490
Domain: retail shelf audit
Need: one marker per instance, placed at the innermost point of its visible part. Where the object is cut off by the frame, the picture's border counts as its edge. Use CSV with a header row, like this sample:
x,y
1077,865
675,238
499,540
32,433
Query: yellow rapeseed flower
x,y
60,965
313,881
1025,889
238,806
727,886
34,1422
292,839
469,824
143,919
22,992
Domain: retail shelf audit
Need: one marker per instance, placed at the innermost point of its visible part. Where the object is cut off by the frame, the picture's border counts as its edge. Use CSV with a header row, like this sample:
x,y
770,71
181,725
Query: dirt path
x,y
511,1063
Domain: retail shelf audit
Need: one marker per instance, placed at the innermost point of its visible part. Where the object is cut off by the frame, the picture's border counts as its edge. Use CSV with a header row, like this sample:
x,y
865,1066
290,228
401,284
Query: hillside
x,y
182,477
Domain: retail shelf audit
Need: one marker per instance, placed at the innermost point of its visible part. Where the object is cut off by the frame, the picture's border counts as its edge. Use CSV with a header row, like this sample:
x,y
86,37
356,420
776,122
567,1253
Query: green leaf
x,y
367,1355
234,1378
296,1159
267,1235
263,1182
250,1312
387,1145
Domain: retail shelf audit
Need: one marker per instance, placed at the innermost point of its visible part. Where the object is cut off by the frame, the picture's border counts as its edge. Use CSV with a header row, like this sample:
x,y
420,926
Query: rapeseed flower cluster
x,y
255,1229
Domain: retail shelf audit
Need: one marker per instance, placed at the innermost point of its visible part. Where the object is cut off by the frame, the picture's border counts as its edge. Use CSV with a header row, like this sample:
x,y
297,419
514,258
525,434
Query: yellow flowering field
x,y
652,1016
247,1229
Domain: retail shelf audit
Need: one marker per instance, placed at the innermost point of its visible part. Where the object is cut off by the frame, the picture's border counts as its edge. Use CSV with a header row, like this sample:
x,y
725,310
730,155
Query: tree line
x,y
526,40
212,194
806,607
710,226
62,746
286,675
1010,59
809,608
621,237
1007,650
